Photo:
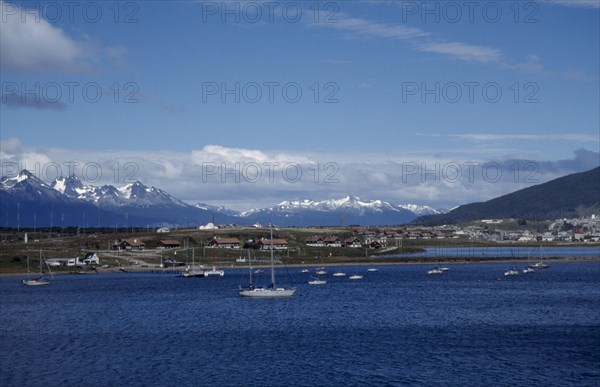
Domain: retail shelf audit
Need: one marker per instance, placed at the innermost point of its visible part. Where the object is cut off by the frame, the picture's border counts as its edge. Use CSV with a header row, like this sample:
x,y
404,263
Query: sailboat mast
x,y
272,264
250,266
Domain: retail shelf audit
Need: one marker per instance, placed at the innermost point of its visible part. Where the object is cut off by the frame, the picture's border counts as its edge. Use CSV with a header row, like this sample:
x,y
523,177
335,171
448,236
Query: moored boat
x,y
271,291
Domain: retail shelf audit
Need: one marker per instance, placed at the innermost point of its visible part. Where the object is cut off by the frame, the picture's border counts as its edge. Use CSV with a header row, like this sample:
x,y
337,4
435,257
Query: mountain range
x,y
27,201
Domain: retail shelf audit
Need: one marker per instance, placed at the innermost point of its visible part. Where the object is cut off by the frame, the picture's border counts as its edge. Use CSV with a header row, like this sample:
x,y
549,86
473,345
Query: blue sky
x,y
363,68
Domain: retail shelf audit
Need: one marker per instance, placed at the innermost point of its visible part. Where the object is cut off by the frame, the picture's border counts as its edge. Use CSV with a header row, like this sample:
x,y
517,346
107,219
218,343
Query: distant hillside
x,y
567,196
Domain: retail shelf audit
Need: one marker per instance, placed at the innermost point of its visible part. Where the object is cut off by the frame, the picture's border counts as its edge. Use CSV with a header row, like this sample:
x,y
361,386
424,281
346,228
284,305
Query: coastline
x,y
372,262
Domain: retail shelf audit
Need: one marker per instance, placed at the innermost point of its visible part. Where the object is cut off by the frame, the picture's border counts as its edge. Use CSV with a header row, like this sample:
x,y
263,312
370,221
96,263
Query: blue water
x,y
470,326
505,252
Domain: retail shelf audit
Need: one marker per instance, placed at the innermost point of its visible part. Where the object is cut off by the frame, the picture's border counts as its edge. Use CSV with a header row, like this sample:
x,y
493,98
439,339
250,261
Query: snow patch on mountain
x,y
420,210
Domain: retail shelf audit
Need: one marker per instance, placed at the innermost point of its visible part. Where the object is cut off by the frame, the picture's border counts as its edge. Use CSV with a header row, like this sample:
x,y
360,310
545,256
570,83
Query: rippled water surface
x,y
470,326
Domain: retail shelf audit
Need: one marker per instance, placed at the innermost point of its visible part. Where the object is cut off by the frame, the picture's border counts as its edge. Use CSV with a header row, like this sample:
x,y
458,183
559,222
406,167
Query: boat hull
x,y
266,293
218,273
35,282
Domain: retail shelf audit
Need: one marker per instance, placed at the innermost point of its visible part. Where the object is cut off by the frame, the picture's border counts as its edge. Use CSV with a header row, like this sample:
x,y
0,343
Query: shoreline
x,y
402,262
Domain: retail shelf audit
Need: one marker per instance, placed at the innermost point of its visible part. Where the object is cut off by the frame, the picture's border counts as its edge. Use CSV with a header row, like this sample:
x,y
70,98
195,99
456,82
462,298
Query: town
x,y
228,245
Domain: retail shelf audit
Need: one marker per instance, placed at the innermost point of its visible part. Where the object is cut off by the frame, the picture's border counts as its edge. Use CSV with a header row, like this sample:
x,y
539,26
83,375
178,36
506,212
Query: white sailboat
x,y
541,264
317,280
513,270
193,271
271,291
435,270
36,281
214,272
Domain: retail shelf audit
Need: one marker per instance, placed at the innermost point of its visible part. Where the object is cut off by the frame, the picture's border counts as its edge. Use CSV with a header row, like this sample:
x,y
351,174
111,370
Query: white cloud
x,y
419,39
463,51
591,4
357,27
35,46
404,176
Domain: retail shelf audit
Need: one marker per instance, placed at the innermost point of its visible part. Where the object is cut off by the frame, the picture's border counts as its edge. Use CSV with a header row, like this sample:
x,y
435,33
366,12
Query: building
x,y
224,243
169,244
314,241
91,259
333,241
129,245
278,244
62,261
352,242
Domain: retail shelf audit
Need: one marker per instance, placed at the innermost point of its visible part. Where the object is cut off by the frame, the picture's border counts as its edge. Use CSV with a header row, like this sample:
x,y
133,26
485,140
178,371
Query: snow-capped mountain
x,y
217,209
347,210
421,210
28,201
350,203
27,186
134,194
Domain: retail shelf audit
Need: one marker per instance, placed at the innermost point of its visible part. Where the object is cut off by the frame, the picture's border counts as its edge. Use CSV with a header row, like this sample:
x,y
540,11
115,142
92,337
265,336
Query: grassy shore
x,y
14,252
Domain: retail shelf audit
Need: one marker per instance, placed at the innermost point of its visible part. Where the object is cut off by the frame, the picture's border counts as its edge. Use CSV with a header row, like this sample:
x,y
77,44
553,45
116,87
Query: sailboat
x,y
36,281
435,270
271,291
317,281
513,270
541,264
214,271
355,277
193,272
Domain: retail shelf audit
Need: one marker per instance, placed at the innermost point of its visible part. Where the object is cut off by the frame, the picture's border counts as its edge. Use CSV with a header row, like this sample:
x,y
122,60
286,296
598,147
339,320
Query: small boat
x,y
444,268
528,270
214,272
355,277
512,271
372,269
339,274
540,265
316,281
191,272
271,291
36,281
304,271
321,272
259,271
435,270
